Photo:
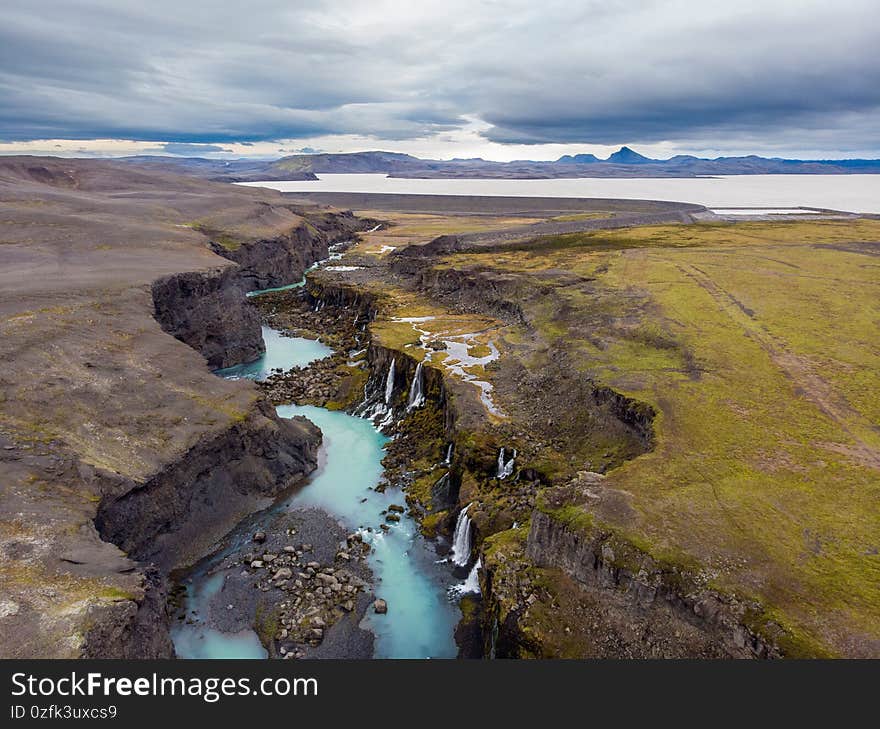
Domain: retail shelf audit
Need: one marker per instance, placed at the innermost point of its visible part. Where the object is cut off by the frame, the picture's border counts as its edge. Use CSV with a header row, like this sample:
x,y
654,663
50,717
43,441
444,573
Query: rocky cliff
x,y
209,312
282,259
175,516
648,609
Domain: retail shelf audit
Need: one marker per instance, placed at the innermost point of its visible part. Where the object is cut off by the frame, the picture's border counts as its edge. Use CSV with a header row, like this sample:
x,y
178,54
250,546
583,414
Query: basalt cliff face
x,y
282,259
647,609
175,516
209,312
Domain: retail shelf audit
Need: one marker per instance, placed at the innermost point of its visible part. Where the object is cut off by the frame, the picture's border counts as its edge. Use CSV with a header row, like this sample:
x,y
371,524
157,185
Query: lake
x,y
854,193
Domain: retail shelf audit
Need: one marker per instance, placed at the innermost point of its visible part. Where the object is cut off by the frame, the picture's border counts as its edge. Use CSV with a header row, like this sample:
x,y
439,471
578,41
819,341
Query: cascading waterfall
x,y
461,540
376,405
472,583
417,390
389,384
505,468
448,460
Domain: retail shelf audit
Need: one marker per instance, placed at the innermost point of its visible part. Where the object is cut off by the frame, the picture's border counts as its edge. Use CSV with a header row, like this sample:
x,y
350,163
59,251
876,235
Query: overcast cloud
x,y
786,77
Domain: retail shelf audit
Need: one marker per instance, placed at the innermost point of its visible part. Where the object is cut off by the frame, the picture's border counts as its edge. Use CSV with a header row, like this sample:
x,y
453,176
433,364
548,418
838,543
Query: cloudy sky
x,y
501,79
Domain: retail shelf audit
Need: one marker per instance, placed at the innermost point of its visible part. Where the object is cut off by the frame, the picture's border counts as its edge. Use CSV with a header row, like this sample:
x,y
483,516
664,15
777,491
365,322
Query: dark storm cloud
x,y
588,72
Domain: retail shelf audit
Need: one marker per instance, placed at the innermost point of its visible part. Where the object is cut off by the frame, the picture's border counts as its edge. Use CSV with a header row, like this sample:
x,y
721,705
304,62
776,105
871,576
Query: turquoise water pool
x,y
281,351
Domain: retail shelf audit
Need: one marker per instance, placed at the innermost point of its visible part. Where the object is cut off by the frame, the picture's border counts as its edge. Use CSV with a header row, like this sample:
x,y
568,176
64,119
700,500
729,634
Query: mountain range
x,y
625,162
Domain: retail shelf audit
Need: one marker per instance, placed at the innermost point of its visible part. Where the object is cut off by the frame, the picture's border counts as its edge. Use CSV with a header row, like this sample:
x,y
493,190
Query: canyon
x,y
595,410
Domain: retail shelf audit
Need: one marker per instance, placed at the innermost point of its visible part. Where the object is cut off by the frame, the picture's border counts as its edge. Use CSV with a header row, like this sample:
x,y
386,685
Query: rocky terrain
x,y
299,580
120,449
603,537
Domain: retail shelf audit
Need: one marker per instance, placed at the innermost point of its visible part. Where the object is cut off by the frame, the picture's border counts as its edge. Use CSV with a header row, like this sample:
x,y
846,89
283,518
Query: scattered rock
x,y
380,607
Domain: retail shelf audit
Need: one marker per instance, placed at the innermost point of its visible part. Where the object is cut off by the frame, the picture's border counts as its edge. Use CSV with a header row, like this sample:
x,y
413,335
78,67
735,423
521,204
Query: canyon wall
x,y
175,516
653,609
280,260
209,312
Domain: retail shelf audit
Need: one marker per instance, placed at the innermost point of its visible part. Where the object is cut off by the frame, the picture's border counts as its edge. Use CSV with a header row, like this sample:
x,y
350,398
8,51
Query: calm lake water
x,y
854,193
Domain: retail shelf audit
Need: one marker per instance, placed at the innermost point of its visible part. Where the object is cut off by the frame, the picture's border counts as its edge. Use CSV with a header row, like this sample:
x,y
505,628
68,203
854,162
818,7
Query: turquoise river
x,y
407,572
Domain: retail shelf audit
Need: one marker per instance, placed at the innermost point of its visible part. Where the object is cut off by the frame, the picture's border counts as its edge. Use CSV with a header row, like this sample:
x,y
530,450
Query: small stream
x,y
407,574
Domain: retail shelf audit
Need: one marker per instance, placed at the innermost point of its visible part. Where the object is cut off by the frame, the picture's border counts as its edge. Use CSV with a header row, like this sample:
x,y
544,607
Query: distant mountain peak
x,y
627,156
578,159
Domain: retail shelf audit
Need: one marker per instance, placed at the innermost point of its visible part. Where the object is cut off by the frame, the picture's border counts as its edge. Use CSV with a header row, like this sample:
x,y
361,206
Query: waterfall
x,y
375,407
416,391
461,540
448,460
386,421
472,583
505,468
389,384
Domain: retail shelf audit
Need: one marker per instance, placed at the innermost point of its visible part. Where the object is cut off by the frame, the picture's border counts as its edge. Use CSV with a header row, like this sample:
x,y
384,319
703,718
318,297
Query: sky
x,y
498,79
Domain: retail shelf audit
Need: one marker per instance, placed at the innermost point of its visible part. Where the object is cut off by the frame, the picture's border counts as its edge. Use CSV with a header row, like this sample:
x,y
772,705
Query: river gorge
x,y
472,436
417,586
